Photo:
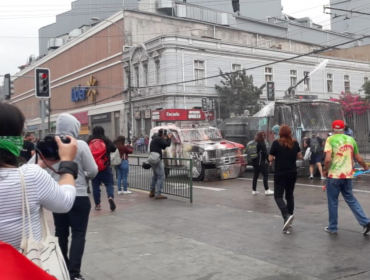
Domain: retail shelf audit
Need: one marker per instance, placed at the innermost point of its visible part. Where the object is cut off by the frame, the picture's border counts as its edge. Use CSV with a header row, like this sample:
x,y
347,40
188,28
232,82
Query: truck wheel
x,y
199,171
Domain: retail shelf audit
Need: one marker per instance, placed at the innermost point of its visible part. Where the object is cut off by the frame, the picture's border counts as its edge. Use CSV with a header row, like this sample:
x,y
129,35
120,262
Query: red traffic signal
x,y
42,83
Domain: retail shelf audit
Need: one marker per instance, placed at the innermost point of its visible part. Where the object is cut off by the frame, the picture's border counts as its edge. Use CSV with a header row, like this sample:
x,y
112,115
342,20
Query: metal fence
x,y
178,171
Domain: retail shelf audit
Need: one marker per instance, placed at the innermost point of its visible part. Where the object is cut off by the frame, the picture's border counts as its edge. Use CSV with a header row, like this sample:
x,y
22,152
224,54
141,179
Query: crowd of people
x,y
60,186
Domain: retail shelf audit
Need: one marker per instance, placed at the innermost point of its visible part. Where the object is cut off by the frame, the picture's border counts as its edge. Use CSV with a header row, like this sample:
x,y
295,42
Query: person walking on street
x,y
340,150
123,168
285,151
101,147
260,165
77,218
146,143
158,143
348,131
315,145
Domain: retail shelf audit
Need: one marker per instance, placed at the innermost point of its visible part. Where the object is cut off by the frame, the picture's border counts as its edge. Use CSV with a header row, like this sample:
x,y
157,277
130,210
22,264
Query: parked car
x,y
213,157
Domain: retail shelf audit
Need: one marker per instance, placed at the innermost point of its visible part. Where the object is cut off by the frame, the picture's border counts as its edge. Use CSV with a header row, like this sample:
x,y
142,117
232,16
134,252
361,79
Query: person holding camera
x,y
77,218
42,190
101,148
159,143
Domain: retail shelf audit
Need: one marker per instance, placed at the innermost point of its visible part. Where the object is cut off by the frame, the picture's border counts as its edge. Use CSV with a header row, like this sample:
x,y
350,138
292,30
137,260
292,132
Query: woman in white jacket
x,y
42,189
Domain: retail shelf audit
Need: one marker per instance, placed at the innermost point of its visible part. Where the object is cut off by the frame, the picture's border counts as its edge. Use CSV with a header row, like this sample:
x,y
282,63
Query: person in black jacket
x,y
105,176
159,143
260,165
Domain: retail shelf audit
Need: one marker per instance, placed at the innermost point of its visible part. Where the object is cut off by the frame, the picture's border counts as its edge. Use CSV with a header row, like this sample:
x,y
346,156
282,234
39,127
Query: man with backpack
x,y
101,147
315,145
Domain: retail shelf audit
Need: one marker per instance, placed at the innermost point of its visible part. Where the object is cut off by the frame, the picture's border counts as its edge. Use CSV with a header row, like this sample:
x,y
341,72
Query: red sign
x,y
82,117
181,115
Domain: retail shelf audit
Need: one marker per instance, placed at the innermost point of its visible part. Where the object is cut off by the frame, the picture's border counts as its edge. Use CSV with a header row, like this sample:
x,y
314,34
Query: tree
x,y
352,103
237,93
366,88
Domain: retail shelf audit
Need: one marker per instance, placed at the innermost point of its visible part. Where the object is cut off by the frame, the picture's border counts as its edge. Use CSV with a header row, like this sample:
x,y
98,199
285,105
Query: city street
x,y
226,234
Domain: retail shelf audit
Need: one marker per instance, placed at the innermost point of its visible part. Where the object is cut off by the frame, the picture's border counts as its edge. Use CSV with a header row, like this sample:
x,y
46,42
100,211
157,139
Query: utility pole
x,y
129,124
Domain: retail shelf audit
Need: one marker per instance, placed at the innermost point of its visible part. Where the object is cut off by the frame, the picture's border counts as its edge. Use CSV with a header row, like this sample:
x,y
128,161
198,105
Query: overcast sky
x,y
20,21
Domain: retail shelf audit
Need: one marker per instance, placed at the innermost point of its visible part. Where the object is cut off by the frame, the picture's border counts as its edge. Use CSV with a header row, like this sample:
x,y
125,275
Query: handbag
x,y
115,158
45,253
154,158
307,155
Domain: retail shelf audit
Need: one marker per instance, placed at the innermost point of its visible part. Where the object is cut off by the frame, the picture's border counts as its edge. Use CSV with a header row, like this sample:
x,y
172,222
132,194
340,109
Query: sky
x,y
20,21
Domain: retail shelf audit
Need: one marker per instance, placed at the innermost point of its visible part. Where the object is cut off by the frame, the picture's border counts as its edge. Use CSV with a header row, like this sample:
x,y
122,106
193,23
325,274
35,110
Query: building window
x,y
347,84
128,77
236,67
329,82
145,68
158,72
199,72
137,75
293,77
307,81
268,74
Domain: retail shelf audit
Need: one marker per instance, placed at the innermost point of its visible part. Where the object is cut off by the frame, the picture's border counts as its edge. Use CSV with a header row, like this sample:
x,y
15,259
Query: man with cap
x,y
340,150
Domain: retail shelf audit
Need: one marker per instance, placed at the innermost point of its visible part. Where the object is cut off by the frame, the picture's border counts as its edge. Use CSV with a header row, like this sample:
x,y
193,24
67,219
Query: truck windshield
x,y
201,134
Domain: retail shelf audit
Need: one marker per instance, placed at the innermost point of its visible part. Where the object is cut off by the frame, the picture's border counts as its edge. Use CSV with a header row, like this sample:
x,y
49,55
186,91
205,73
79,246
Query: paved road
x,y
226,234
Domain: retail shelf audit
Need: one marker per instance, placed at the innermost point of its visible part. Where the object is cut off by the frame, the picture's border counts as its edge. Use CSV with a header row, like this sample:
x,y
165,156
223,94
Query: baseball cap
x,y
338,125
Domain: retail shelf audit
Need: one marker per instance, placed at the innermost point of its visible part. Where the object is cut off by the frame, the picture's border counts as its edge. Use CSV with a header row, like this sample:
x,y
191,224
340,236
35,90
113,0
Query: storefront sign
x,y
137,115
101,118
147,114
81,93
181,115
82,117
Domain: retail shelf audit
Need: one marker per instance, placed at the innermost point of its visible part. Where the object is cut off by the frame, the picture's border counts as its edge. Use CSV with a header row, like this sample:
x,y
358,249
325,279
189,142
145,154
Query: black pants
x,y
76,219
260,168
285,183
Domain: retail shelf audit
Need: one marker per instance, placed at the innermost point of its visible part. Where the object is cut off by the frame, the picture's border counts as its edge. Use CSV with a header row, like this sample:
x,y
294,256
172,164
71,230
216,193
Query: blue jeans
x,y
158,178
105,177
344,186
122,171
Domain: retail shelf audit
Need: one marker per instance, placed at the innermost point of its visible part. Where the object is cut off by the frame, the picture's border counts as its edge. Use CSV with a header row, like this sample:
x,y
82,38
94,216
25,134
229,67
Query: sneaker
x,y
79,277
112,204
121,192
366,229
255,192
97,207
152,193
269,192
330,231
288,222
127,192
311,177
323,178
161,196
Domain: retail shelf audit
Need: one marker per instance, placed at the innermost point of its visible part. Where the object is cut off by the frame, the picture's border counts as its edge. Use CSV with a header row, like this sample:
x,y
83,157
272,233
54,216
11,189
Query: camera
x,y
48,147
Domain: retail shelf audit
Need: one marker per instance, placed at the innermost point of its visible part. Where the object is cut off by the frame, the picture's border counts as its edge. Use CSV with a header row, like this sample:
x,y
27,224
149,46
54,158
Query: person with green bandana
x,y
340,151
42,190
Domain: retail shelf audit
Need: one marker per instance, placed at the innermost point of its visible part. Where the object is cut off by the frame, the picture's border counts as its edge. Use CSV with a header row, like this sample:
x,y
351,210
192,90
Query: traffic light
x,y
8,87
204,105
270,91
47,108
42,83
214,104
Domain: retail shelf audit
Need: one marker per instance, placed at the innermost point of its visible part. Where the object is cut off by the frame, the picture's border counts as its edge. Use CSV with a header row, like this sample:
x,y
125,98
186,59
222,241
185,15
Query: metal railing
x,y
178,173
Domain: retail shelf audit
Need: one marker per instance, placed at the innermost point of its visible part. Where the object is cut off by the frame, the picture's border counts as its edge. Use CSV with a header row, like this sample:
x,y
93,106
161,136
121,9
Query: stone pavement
x,y
224,235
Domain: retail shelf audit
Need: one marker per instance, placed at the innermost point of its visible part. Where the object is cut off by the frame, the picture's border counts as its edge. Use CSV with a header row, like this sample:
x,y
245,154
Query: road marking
x,y
209,188
306,185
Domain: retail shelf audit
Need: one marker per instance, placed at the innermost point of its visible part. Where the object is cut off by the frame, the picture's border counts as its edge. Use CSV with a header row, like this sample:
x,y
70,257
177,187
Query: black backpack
x,y
315,145
251,150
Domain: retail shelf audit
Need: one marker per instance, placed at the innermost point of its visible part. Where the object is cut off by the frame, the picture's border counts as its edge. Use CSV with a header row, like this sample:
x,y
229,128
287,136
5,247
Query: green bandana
x,y
12,144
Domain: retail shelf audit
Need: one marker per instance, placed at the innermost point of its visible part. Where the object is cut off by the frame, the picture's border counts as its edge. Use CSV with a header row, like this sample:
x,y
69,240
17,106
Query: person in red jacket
x,y
123,168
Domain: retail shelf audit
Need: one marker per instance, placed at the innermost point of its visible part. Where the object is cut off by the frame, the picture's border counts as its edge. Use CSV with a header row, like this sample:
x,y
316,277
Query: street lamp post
x,y
129,121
